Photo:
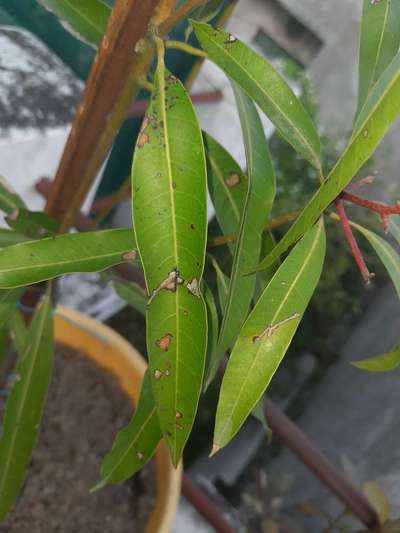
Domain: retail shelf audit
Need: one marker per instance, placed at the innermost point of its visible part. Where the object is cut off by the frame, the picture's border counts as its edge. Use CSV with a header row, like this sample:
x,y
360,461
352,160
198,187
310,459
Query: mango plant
x,y
192,332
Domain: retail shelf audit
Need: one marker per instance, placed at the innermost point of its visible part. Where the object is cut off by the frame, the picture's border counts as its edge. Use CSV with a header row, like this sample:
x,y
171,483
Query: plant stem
x,y
192,50
383,210
181,13
272,224
358,257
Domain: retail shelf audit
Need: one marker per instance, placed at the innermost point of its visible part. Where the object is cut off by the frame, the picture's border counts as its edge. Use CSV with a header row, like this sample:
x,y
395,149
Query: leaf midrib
x,y
67,262
161,82
131,445
25,391
283,302
275,105
378,51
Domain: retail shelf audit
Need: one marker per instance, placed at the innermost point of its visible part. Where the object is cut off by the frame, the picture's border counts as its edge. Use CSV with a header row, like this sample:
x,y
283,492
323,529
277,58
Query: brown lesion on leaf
x,y
178,414
170,283
231,39
143,137
140,456
129,256
157,374
271,329
178,426
233,179
193,287
164,342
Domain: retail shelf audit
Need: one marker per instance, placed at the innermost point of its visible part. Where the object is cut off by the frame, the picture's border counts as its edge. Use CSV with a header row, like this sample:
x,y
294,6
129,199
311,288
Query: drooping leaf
x,y
267,333
378,113
24,406
386,253
213,328
32,224
85,20
9,237
379,43
34,261
222,282
136,443
394,228
133,295
10,202
380,363
227,185
170,222
265,86
258,203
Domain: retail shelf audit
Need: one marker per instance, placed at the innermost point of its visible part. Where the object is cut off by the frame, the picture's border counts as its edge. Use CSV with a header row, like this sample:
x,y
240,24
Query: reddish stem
x,y
383,210
366,274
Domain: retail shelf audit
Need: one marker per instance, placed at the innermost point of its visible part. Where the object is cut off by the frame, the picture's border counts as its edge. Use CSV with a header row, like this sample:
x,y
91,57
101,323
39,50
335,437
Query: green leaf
x,y
170,221
222,282
20,332
133,295
394,229
136,443
34,261
380,363
379,42
227,186
9,237
258,203
8,304
213,328
10,202
267,333
259,414
85,20
32,224
264,276
3,344
378,113
386,253
265,86
24,406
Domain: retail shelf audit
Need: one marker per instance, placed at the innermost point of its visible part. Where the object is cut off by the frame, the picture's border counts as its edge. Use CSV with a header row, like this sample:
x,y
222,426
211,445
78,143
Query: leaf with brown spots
x,y
267,333
170,222
135,444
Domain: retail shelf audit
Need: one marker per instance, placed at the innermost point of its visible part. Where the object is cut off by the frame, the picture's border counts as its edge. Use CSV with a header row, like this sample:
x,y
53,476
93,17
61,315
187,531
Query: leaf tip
x,y
98,486
215,449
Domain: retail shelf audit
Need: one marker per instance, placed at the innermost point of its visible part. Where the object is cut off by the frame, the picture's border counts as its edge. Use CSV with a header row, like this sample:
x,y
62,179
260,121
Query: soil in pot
x,y
84,410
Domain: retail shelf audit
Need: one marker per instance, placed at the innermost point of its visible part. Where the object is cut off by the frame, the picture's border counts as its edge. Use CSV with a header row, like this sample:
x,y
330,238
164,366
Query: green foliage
x,y
255,213
170,221
136,443
24,405
265,86
261,301
379,43
267,333
380,363
35,261
85,20
380,110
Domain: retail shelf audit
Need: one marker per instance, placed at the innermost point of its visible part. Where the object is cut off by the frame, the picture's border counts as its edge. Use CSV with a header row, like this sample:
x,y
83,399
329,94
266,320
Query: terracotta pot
x,y
111,351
